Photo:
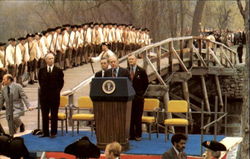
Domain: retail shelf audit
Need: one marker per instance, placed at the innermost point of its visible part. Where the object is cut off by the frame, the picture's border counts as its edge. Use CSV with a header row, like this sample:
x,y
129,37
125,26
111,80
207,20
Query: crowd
x,y
72,45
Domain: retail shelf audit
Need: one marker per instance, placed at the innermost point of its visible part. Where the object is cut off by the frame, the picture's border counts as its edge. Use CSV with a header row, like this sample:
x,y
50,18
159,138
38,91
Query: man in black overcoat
x,y
139,80
51,82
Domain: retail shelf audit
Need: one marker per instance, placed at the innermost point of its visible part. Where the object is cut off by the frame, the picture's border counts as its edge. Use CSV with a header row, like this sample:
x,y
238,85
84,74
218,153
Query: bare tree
x,y
224,16
197,17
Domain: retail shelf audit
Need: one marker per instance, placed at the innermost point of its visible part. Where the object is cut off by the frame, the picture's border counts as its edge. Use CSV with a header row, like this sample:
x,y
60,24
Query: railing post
x,y
207,53
159,59
221,55
200,51
190,43
226,115
170,58
71,104
181,50
202,125
215,117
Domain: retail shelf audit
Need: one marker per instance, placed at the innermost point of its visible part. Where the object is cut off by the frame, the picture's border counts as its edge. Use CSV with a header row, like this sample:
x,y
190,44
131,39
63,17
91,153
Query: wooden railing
x,y
187,52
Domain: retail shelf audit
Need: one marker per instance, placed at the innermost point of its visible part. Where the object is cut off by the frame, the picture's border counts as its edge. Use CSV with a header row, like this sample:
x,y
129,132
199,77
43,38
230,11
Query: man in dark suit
x,y
104,65
51,82
176,152
139,80
116,70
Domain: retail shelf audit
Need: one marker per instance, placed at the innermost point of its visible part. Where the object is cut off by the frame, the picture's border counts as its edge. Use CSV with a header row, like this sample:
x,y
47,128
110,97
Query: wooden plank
x,y
219,93
205,95
181,76
180,61
156,73
198,54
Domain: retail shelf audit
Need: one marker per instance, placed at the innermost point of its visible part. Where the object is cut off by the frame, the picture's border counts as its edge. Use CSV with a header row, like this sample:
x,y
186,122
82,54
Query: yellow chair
x,y
84,103
63,116
177,106
151,105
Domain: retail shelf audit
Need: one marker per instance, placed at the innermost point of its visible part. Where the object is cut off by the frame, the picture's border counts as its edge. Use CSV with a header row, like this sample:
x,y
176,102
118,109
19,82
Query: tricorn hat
x,y
214,145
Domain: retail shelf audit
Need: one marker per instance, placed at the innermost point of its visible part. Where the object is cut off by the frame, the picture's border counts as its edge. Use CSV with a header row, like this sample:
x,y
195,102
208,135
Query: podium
x,y
112,99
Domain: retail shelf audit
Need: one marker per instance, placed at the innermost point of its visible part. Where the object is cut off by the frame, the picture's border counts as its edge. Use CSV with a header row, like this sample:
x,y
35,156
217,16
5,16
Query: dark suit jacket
x,y
171,154
121,73
98,74
50,85
140,81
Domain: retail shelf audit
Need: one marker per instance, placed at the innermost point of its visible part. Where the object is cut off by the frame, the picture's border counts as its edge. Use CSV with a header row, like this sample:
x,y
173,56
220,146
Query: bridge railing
x,y
187,52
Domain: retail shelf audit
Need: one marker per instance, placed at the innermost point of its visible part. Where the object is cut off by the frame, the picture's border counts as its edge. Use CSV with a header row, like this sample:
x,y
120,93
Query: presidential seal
x,y
108,86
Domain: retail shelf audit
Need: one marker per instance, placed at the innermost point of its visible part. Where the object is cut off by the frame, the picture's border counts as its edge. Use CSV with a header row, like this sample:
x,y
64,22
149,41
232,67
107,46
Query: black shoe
x,y
53,136
138,139
132,138
22,128
31,82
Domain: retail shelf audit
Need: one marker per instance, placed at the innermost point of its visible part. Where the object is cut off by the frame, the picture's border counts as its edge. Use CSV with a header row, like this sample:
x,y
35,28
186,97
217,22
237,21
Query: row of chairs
x,y
150,116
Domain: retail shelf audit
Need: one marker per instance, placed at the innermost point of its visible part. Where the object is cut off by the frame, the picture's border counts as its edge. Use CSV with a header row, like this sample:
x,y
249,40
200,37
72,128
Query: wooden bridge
x,y
177,60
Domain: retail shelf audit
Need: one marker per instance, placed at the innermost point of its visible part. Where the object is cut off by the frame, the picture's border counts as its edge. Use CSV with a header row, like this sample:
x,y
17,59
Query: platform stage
x,y
155,146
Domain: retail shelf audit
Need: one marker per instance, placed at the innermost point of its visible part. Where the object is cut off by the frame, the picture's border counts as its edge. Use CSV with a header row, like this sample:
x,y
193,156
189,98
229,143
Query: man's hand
x,y
30,109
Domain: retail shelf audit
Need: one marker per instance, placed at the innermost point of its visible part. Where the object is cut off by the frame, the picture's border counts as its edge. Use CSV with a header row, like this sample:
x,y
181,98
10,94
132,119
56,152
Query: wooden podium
x,y
112,99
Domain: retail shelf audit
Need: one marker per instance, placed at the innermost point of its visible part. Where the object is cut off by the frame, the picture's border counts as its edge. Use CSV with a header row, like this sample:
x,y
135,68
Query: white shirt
x,y
10,53
177,152
51,68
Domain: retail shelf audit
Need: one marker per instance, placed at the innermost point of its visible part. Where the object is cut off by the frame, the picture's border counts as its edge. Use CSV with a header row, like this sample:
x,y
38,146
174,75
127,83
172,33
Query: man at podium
x,y
116,70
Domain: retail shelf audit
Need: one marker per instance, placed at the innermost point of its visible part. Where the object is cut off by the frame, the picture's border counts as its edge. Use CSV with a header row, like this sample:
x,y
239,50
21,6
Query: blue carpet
x,y
155,146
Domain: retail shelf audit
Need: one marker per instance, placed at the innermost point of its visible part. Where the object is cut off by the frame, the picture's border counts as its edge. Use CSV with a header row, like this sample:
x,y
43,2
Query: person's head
x,y
21,40
104,47
210,154
132,60
104,63
2,46
7,79
179,141
12,41
113,150
214,149
50,59
113,61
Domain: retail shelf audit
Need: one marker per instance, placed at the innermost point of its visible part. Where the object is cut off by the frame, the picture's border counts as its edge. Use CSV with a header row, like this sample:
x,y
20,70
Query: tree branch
x,y
242,11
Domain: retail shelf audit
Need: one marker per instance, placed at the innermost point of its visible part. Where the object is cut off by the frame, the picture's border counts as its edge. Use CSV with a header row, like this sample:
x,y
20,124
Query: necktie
x,y
8,88
132,74
114,73
49,69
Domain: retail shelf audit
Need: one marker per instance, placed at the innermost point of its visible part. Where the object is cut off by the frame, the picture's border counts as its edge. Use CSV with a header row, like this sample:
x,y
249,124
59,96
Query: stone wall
x,y
233,86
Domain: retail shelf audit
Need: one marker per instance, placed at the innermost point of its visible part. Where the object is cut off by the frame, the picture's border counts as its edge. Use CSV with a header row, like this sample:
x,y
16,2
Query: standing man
x,y
104,65
51,82
176,152
240,52
116,70
139,80
18,98
3,69
10,57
